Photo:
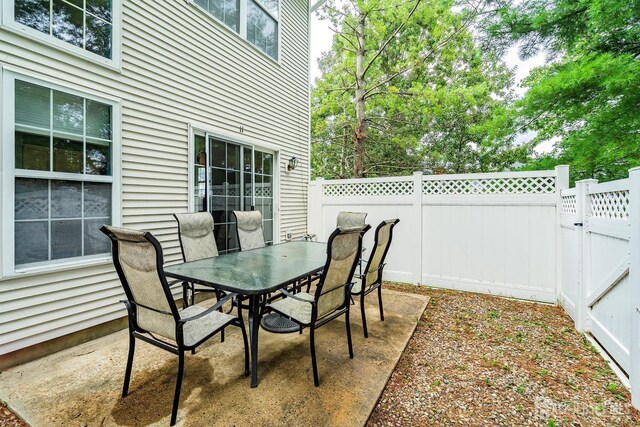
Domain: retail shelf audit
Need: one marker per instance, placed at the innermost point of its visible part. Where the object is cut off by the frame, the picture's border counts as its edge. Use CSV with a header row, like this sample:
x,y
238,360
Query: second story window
x,y
255,20
85,24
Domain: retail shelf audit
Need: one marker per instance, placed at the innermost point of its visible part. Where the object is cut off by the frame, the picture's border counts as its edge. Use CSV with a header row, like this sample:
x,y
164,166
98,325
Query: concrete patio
x,y
82,385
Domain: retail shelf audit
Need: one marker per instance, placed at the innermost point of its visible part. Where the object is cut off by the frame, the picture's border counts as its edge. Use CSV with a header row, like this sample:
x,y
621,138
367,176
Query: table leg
x,y
254,328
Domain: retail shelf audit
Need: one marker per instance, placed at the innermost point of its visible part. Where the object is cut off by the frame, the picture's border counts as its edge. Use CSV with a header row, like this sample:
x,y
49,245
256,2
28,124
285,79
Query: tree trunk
x,y
343,157
360,134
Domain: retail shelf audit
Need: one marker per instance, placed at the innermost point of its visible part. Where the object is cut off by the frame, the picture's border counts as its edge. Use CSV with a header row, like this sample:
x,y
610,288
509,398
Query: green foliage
x,y
587,98
434,100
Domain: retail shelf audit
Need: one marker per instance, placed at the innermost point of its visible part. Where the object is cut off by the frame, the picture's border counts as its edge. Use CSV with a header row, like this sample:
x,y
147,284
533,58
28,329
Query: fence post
x,y
562,183
634,278
585,254
314,208
581,200
417,209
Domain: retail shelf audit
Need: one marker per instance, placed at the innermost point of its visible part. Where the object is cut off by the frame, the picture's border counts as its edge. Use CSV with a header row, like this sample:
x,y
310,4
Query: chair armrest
x,y
211,309
292,296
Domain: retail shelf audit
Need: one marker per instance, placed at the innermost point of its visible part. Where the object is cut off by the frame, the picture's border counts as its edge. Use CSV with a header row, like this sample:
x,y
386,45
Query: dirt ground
x,y
480,360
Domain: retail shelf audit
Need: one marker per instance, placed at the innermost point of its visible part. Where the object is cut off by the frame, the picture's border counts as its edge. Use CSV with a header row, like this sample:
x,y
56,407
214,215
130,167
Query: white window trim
x,y
8,173
197,128
8,23
242,29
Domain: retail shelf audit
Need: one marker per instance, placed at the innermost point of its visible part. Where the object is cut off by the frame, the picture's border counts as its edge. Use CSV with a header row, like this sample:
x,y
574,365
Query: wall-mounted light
x,y
293,163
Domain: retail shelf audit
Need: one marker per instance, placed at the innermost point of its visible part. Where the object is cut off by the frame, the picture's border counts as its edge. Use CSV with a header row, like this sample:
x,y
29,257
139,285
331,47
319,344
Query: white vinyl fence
x,y
494,233
517,234
600,266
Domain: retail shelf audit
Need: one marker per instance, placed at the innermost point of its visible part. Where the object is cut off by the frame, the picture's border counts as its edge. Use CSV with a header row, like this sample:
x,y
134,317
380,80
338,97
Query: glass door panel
x,y
232,177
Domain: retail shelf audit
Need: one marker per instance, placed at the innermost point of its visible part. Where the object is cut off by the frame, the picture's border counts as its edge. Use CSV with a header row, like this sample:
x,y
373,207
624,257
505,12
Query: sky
x,y
322,38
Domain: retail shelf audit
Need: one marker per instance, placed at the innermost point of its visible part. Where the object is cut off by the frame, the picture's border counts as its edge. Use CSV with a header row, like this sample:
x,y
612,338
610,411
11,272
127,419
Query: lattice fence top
x,y
570,204
611,205
378,188
516,185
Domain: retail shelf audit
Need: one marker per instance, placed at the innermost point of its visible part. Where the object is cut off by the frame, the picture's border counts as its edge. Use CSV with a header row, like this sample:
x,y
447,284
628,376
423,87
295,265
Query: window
x,y
227,11
62,175
257,21
85,24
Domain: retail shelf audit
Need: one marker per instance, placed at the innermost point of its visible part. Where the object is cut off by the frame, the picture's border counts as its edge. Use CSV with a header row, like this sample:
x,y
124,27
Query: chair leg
x,y
364,316
349,335
127,373
176,397
314,363
193,294
222,335
380,302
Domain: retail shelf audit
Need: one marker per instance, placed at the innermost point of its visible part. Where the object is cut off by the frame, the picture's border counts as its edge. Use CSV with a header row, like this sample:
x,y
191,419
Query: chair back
x,y
249,228
137,257
351,219
343,253
384,234
195,232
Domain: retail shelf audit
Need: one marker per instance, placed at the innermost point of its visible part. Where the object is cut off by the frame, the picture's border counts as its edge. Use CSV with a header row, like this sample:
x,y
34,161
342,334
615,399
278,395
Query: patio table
x,y
254,273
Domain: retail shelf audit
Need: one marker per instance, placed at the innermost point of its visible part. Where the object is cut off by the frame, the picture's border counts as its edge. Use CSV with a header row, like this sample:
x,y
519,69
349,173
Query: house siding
x,y
178,66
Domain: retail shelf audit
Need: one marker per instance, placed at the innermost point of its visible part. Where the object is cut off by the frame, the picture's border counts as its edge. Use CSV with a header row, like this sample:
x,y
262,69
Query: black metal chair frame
x,y
135,331
318,322
364,290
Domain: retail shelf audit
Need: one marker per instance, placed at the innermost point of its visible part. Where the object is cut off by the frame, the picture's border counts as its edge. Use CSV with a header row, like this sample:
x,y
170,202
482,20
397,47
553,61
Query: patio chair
x,y
348,219
197,241
372,277
331,299
249,229
153,315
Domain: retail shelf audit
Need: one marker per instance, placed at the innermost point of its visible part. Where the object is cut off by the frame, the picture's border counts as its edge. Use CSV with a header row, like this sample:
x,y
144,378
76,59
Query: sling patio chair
x,y
249,230
347,219
372,277
331,299
153,315
197,241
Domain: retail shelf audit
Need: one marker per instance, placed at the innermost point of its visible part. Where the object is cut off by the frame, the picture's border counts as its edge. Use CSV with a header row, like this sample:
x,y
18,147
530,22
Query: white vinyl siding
x,y
171,76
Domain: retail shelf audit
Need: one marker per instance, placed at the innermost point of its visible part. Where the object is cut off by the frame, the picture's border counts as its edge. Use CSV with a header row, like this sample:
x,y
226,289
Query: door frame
x,y
203,129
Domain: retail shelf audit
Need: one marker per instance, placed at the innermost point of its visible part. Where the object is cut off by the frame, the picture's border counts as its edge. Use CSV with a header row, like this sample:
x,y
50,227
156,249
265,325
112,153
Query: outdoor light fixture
x,y
293,163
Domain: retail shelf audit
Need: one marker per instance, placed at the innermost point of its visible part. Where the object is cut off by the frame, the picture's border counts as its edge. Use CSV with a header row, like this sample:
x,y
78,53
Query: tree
x,y
588,96
406,88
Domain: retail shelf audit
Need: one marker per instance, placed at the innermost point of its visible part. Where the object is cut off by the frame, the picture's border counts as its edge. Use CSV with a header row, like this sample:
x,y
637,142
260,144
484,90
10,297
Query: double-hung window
x,y
87,26
59,187
255,20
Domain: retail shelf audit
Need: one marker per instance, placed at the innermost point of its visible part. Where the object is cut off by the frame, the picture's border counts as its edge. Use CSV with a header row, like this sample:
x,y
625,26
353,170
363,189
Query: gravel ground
x,y
8,418
479,360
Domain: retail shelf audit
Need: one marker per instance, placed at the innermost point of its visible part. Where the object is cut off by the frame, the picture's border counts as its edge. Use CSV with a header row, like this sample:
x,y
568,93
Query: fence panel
x,y
570,249
608,289
493,233
381,199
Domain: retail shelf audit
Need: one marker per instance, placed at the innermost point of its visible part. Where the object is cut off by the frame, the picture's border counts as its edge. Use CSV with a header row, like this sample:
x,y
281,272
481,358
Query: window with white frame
x,y
85,24
255,20
62,170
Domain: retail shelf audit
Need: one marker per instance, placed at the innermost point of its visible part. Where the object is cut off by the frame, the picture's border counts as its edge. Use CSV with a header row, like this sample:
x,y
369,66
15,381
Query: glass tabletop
x,y
257,271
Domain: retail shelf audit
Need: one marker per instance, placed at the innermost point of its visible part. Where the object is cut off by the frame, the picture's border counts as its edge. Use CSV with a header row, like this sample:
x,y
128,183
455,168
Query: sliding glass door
x,y
230,177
